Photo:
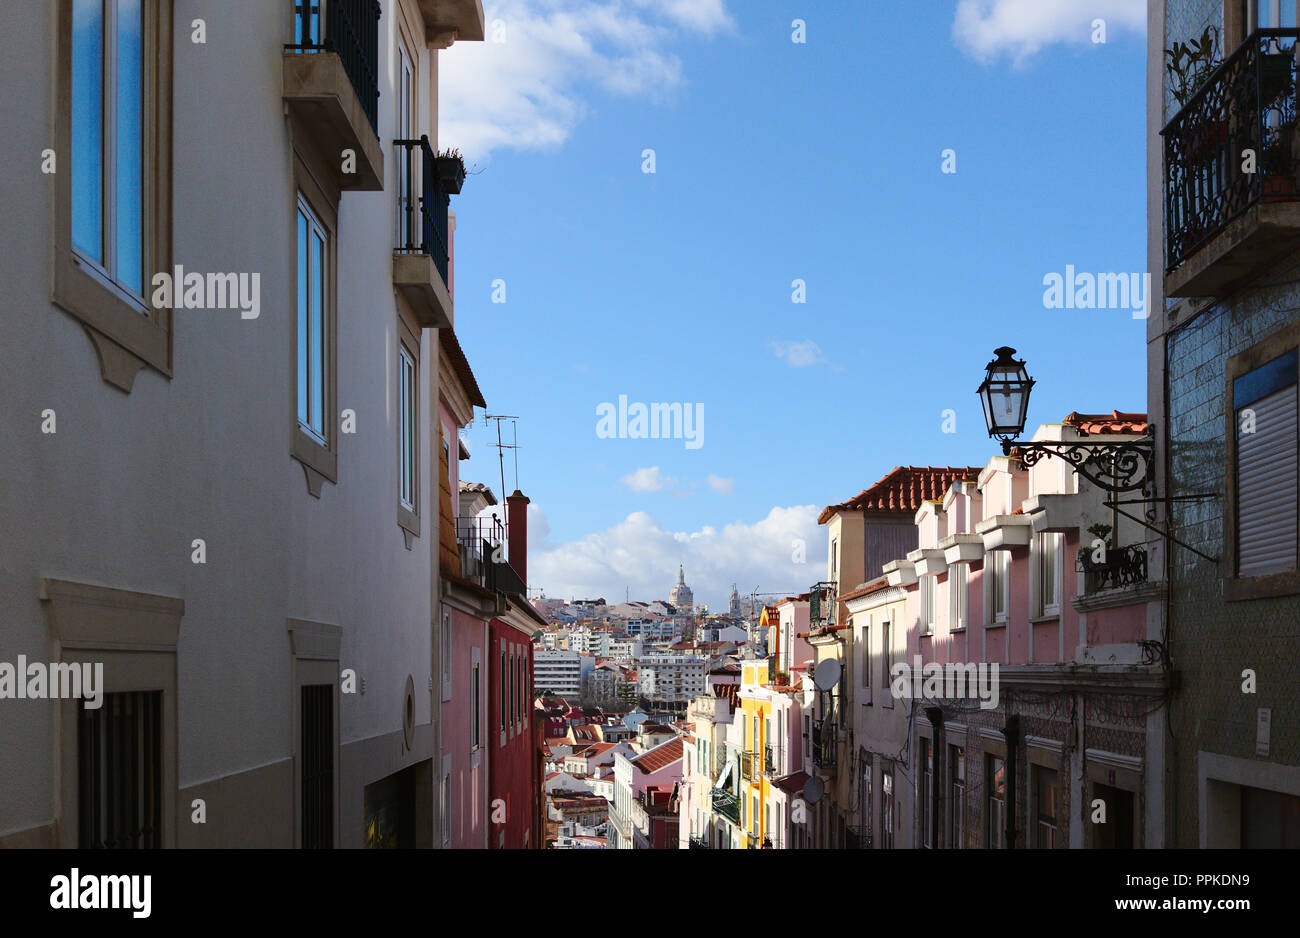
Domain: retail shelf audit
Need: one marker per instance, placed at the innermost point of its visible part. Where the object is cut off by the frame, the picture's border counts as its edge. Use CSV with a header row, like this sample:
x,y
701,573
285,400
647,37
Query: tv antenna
x,y
502,447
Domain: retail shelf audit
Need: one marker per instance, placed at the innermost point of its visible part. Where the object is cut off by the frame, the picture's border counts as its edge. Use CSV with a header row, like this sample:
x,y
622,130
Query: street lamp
x,y
1005,395
1115,467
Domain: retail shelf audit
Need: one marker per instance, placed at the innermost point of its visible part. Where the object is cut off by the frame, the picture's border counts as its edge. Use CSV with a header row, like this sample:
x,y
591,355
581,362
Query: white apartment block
x,y
203,521
671,678
557,672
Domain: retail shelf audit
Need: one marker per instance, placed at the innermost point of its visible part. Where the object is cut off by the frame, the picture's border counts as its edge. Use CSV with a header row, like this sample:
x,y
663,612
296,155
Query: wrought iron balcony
x,y
858,838
331,85
726,804
482,546
1247,106
1122,566
821,605
823,740
749,765
421,255
351,30
699,843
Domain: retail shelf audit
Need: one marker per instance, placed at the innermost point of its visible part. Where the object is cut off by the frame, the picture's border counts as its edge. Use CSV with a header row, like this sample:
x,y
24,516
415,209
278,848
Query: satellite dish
x,y
827,674
813,791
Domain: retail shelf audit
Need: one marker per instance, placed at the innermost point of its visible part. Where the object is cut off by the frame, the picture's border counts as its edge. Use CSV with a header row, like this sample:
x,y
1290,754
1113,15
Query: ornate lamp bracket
x,y
1115,467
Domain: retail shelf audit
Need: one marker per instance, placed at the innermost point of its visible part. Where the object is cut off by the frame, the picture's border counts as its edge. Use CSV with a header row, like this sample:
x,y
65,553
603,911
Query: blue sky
x,y
777,161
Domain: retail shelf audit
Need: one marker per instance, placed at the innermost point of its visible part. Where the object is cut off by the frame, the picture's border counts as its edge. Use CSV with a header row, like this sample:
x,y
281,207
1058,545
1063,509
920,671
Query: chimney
x,y
517,532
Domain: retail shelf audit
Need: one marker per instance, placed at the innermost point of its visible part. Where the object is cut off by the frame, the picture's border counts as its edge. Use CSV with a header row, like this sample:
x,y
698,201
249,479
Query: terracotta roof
x,y
903,489
460,364
480,488
792,784
1115,422
728,692
660,757
866,589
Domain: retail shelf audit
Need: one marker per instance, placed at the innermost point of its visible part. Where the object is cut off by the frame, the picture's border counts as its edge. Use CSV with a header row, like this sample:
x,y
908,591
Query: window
x,y
925,794
864,797
407,427
864,659
958,591
444,653
444,805
1047,581
317,715
1264,402
108,138
957,796
926,587
996,582
502,687
835,562
313,335
886,659
114,200
995,789
405,110
1045,784
119,772
887,809
476,707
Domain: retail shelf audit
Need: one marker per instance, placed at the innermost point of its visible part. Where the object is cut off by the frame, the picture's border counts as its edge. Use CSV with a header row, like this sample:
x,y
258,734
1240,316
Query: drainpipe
x,y
935,716
1012,733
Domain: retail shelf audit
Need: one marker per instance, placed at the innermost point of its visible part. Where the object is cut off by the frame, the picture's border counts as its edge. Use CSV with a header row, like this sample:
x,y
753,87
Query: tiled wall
x,y
1213,641
1184,20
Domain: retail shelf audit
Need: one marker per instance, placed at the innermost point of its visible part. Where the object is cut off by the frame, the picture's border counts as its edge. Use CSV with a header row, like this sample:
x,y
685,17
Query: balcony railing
x,y
482,545
699,843
350,29
823,740
857,838
725,804
1122,566
1247,104
421,203
749,765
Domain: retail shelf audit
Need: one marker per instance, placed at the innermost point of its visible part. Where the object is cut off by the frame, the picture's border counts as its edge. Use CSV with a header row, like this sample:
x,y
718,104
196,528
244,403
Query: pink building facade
x,y
1029,572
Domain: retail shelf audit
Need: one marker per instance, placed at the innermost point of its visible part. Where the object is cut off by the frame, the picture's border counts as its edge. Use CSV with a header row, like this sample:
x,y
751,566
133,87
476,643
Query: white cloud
x,y
529,91
798,354
702,16
648,479
721,485
989,29
641,556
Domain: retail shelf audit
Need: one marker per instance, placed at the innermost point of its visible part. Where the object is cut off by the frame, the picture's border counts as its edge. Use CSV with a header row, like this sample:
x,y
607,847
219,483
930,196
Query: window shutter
x,y
1268,487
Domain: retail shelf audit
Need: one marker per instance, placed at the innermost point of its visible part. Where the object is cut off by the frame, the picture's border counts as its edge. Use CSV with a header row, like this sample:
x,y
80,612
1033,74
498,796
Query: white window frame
x,y
444,646
319,317
928,589
996,587
106,268
1041,607
958,597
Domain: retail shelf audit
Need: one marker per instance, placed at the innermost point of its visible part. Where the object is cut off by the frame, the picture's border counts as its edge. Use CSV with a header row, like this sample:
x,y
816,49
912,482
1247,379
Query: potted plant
x,y
1188,65
1274,75
451,170
1278,161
